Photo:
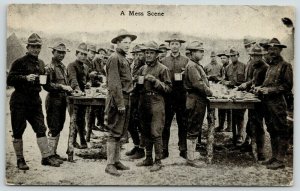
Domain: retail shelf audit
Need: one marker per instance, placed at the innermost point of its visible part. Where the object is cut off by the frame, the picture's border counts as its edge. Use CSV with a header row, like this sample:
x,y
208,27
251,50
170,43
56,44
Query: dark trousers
x,y
22,112
175,105
80,123
255,127
275,113
134,127
196,108
152,115
238,121
56,105
222,114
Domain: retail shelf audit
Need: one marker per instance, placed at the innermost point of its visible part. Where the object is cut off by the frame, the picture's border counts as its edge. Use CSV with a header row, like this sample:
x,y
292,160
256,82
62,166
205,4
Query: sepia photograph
x,y
149,95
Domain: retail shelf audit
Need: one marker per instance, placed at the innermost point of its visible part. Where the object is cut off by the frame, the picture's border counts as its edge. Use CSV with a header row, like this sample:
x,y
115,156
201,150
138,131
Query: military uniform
x,y
279,80
235,74
175,102
152,110
78,75
26,104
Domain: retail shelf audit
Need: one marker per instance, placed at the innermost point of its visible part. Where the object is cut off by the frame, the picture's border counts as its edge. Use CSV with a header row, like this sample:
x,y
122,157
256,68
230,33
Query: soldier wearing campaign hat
x,y
164,50
56,100
26,104
197,87
78,76
175,101
278,82
223,113
156,83
134,126
120,85
235,76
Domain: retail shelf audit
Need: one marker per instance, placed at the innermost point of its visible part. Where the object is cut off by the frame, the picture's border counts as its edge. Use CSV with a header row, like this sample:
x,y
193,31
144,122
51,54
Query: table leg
x,y
210,138
73,126
233,127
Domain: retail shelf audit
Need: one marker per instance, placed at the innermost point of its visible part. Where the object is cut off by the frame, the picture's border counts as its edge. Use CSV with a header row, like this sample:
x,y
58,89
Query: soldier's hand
x,y
121,110
209,93
264,91
150,78
243,86
67,88
31,77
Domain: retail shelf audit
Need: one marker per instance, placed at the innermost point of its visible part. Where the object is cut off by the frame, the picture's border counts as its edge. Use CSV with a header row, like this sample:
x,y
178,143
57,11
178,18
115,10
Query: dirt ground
x,y
229,168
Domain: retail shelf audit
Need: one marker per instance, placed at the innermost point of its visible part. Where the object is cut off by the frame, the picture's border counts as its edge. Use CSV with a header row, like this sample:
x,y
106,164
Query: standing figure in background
x,y
78,76
235,76
175,100
224,113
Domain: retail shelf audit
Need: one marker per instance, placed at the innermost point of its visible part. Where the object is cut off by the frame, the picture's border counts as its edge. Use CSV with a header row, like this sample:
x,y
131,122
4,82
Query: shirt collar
x,y
120,51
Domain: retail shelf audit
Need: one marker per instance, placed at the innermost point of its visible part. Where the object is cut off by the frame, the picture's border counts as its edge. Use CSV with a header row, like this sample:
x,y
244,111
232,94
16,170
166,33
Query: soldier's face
x,y
101,54
234,58
141,55
198,55
188,55
224,59
163,53
213,58
174,45
91,55
59,55
248,48
135,56
34,50
257,58
109,52
81,57
274,51
150,55
124,44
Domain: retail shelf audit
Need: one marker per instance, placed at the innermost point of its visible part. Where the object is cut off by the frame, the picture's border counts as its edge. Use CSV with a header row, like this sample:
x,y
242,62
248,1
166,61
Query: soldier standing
x,y
119,82
278,81
248,44
213,69
26,103
255,126
134,126
175,101
235,76
164,51
56,100
223,113
197,86
78,75
157,82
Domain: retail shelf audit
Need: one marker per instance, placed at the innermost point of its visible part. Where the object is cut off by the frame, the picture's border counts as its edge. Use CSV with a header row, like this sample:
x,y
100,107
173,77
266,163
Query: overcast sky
x,y
215,21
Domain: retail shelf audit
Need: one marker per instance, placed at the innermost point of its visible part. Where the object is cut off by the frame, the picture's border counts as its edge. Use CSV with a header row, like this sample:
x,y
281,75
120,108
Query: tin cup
x,y
178,76
43,79
141,79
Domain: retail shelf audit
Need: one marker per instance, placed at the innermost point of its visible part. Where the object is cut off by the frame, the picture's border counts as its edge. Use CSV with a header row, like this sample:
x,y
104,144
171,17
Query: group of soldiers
x,y
146,92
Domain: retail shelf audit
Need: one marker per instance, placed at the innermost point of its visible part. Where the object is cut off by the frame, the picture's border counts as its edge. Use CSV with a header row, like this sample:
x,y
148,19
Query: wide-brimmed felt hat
x,y
275,42
175,37
163,46
82,47
232,52
257,50
195,45
121,34
92,47
151,45
248,41
223,53
137,48
101,49
60,47
34,39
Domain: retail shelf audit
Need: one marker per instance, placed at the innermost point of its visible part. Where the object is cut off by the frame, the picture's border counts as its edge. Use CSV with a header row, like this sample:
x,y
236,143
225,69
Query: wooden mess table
x,y
227,104
74,102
